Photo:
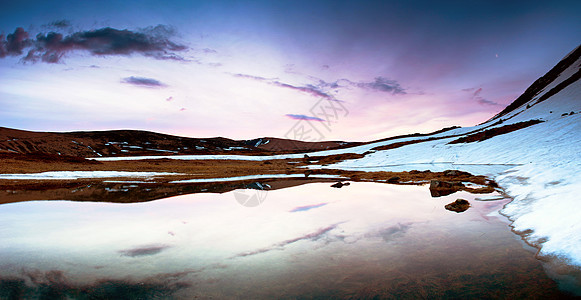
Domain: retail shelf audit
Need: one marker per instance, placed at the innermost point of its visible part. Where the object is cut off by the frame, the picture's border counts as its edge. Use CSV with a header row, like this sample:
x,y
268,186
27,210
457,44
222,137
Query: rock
x,y
456,173
340,184
443,188
460,205
393,179
492,183
308,172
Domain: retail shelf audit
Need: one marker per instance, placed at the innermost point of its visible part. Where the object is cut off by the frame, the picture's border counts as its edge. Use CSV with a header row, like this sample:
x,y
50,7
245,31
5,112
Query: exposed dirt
x,y
401,144
136,142
290,146
160,186
490,133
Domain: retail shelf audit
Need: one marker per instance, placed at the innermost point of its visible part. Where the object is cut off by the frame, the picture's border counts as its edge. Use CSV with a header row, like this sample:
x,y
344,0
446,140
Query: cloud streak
x,y
309,89
60,24
145,82
304,117
311,236
383,85
307,207
144,251
51,47
476,96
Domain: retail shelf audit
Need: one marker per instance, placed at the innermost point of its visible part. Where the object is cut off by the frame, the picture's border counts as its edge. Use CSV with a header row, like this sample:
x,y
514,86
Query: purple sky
x,y
341,69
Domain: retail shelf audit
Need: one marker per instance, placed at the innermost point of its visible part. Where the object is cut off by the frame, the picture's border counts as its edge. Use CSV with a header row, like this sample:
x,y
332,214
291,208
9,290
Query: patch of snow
x,y
160,150
89,147
62,175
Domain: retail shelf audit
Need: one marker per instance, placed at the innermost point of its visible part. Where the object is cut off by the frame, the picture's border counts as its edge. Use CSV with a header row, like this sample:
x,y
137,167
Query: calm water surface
x,y
365,240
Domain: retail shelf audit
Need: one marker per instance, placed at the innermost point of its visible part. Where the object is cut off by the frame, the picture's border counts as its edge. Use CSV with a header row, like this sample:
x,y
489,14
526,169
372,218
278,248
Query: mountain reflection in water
x,y
311,241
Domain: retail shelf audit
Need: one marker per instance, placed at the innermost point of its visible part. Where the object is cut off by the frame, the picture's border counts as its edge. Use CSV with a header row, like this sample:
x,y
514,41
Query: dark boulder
x,y
440,188
340,184
393,179
456,173
460,205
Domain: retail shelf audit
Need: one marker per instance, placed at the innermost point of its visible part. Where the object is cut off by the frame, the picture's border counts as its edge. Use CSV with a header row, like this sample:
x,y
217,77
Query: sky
x,y
307,70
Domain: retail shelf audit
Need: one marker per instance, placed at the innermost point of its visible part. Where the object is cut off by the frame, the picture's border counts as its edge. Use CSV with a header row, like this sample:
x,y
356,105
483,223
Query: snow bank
x,y
81,174
546,200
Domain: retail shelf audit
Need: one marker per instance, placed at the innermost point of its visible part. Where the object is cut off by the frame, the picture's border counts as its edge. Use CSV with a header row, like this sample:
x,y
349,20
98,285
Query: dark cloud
x,y
144,81
14,43
303,117
144,251
52,46
60,24
384,85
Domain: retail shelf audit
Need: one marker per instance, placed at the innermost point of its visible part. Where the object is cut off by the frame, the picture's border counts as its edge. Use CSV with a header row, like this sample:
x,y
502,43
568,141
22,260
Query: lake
x,y
365,240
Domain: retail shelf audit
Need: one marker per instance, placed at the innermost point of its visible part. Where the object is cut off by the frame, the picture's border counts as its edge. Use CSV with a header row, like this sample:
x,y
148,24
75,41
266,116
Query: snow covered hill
x,y
539,165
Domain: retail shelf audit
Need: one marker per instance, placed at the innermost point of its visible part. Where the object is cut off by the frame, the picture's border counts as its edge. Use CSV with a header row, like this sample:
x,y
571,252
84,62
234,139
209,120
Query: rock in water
x,y
443,188
460,205
340,184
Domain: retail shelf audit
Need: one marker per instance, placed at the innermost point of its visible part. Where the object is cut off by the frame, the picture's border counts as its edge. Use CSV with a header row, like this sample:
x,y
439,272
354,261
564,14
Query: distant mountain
x,y
565,73
135,142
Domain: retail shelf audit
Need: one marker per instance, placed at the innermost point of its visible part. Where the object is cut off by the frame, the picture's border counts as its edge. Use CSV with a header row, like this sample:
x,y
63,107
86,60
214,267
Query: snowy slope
x,y
539,166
